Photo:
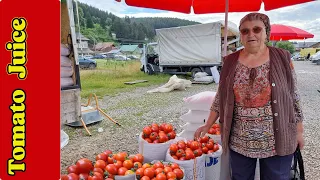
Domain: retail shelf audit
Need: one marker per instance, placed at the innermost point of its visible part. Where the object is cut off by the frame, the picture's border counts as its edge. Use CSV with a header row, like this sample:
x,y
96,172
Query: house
x,y
306,48
130,49
83,47
104,46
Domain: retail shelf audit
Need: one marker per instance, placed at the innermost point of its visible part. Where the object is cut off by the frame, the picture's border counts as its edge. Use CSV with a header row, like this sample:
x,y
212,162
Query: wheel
x,y
194,71
92,66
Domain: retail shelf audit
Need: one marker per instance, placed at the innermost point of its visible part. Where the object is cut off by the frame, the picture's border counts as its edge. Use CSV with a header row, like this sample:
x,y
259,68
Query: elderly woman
x,y
258,105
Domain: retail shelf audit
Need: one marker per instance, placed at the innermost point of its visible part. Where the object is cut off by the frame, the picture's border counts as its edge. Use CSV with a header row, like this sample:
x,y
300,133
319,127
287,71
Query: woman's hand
x,y
300,140
201,131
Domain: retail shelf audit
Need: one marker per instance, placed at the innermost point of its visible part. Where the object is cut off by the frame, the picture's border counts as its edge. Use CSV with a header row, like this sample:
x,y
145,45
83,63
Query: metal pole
x,y
226,29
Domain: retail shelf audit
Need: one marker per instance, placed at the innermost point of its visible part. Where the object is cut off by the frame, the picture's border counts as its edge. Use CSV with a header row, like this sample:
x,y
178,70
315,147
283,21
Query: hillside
x,y
98,25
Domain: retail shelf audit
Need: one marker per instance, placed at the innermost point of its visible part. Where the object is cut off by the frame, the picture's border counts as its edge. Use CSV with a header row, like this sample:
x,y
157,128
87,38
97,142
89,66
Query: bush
x,y
286,45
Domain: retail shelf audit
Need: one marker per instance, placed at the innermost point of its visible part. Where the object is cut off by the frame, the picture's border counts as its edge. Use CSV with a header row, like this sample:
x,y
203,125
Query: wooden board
x,y
135,82
70,106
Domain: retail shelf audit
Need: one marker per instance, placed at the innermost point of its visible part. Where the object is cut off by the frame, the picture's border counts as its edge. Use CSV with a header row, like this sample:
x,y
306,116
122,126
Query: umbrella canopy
x,y
212,6
283,32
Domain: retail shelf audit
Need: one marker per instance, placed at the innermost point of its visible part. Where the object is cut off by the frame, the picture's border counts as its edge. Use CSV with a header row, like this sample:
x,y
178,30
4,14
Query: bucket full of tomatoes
x,y
214,133
154,141
189,155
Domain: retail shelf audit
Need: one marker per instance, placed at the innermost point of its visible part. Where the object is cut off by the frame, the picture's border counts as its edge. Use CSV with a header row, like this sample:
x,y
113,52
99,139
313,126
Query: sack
x,y
204,79
194,168
189,135
152,151
65,61
127,177
67,81
191,127
215,74
195,116
297,169
64,50
200,74
213,165
66,71
201,101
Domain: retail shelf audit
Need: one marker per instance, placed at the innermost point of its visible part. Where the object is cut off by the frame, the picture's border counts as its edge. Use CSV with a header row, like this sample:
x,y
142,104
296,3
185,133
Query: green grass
x,y
109,77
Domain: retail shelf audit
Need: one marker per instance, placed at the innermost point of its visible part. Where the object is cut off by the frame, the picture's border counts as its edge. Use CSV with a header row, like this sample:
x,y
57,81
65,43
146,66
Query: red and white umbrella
x,y
282,32
213,6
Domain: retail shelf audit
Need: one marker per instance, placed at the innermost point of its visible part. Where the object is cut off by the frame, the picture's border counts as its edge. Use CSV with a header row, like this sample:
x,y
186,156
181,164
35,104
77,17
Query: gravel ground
x,y
136,109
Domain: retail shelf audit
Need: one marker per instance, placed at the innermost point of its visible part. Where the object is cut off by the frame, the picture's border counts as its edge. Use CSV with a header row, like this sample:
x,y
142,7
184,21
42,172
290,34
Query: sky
x,y
304,16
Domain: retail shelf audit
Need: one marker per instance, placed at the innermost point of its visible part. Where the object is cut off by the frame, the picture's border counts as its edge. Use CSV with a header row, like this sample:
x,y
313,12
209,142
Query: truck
x,y
188,49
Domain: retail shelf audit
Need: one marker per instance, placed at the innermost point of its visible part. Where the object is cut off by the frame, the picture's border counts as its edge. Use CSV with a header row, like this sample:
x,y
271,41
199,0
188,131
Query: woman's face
x,y
253,35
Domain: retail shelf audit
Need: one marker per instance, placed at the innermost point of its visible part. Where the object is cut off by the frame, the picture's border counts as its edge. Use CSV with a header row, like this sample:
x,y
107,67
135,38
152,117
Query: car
x,y
87,63
109,55
87,56
133,57
99,56
121,57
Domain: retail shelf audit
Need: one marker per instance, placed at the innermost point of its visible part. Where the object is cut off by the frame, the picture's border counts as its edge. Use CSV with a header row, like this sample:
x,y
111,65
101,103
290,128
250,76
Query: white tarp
x,y
196,44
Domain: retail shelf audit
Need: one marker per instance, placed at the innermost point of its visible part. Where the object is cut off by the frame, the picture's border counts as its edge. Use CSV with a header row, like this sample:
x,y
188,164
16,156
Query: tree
x,y
286,45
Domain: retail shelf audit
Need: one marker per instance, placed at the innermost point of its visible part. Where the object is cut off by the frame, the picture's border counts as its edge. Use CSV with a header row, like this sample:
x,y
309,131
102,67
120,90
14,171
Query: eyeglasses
x,y
256,30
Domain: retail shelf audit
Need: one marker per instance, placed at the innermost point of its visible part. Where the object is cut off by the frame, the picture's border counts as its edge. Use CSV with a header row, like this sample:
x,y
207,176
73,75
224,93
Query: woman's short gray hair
x,y
258,16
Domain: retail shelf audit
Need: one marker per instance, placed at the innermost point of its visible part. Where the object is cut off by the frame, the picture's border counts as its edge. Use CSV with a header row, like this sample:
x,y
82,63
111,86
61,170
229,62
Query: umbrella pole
x,y
226,29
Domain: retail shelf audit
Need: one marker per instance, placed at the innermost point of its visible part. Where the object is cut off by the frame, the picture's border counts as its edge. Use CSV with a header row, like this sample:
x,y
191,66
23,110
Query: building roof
x,y
83,38
114,51
104,45
128,48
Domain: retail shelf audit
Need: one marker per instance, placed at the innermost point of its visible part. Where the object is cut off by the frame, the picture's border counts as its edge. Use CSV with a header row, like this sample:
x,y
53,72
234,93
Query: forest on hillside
x,y
98,25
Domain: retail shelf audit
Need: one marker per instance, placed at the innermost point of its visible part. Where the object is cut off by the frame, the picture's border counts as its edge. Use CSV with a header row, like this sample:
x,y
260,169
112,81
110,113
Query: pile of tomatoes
x,y
191,149
159,171
156,133
106,166
215,129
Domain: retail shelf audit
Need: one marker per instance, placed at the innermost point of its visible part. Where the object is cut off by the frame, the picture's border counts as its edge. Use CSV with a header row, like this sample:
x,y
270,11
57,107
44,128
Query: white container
x,y
213,165
64,139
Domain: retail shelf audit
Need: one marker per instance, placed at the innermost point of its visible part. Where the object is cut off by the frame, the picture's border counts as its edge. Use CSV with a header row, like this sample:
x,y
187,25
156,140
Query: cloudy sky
x,y
305,16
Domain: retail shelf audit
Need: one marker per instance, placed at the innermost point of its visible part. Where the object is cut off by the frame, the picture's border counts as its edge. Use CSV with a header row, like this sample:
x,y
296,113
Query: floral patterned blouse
x,y
252,127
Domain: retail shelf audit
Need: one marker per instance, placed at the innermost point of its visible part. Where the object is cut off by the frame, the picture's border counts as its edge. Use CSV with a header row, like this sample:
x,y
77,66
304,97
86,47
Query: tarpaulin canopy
x,y
283,32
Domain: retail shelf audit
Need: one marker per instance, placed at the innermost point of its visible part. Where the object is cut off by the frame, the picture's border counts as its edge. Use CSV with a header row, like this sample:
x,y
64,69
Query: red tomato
x,y
73,169
181,146
155,128
194,145
122,171
215,147
197,152
210,145
82,176
171,135
156,141
102,156
189,143
216,126
100,164
99,170
147,131
73,176
154,136
218,133
107,152
179,173
64,177
162,126
120,157
159,170
167,169
173,148
174,166
171,175
168,128
84,165
163,138
138,158
149,172
204,139
118,164
182,158
137,165
112,169
139,173
127,164
161,176
111,160
158,165
210,151
189,155
180,153
148,140
145,178
205,150
175,157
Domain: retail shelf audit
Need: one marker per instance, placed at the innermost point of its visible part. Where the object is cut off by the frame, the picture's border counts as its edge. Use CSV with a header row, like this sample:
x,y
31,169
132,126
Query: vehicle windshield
x,y
152,49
